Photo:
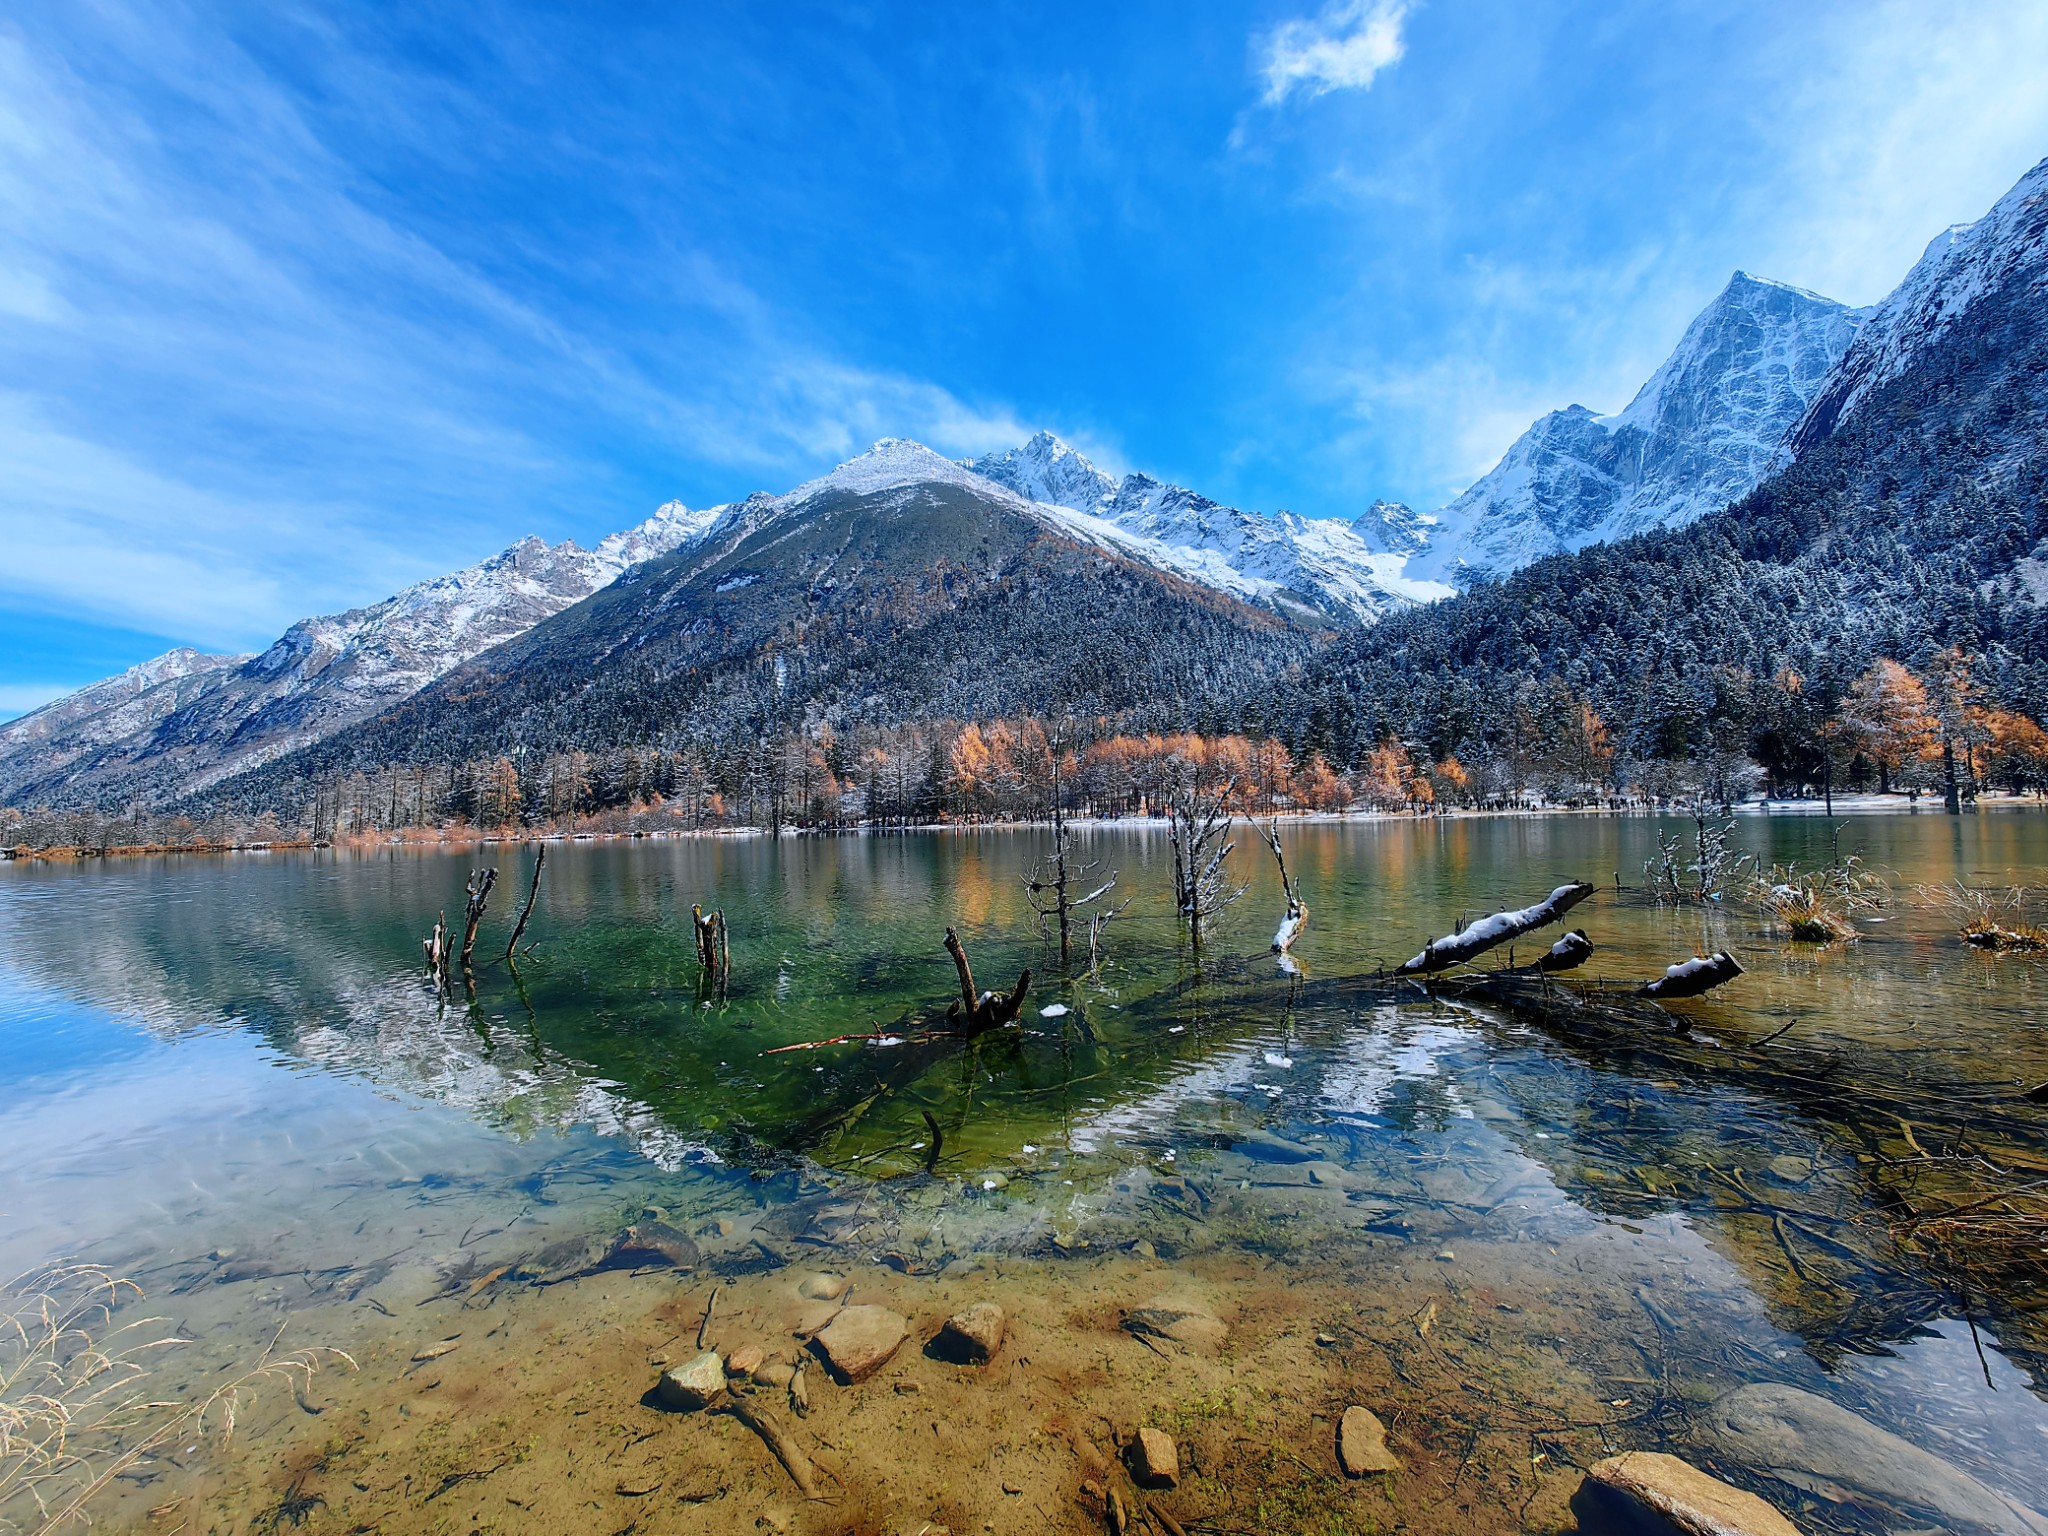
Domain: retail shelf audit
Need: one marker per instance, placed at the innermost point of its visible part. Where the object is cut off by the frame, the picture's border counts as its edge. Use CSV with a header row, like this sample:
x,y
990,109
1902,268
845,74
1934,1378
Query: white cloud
x,y
1342,48
1924,118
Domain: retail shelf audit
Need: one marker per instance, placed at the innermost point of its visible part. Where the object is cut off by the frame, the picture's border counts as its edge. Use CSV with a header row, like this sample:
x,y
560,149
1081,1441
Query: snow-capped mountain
x,y
1312,569
186,720
1701,433
1961,266
115,707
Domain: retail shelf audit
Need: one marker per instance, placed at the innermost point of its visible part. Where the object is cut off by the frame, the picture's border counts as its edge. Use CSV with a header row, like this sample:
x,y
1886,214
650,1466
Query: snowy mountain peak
x,y
672,526
1047,471
1310,569
891,464
1705,428
1390,527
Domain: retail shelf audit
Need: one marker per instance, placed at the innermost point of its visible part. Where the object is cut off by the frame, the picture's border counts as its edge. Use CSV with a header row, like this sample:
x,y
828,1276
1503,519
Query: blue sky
x,y
300,303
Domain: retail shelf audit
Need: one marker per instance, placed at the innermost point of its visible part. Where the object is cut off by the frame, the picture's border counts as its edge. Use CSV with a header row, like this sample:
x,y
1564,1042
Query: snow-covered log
x,y
1490,932
1689,978
1568,953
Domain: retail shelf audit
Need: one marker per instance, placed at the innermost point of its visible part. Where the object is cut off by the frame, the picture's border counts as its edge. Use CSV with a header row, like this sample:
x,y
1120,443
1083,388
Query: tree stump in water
x,y
985,1010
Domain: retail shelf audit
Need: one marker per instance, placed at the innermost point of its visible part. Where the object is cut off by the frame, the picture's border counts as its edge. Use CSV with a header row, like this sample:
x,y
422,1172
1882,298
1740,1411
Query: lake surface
x,y
1525,1246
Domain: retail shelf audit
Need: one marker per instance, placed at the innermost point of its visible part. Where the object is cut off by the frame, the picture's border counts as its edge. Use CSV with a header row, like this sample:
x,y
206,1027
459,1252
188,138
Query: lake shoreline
x,y
443,838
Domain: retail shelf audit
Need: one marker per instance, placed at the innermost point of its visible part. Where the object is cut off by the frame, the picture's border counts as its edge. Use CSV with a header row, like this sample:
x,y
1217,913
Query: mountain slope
x,y
1311,570
108,711
185,721
1915,521
1705,429
1962,265
901,586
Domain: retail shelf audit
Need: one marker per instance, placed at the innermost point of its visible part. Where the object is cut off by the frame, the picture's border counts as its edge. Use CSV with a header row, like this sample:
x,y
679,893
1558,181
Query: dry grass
x,y
1819,906
2002,921
76,1410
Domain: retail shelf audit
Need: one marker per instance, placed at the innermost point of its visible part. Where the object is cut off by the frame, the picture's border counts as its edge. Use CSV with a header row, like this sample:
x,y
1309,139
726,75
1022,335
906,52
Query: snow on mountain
x,y
1046,470
185,721
117,706
1702,432
1310,568
1395,528
1960,266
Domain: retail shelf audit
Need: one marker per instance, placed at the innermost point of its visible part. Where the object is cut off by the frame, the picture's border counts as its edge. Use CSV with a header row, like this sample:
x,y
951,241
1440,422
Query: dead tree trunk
x,y
714,948
525,912
976,1013
1296,918
436,946
1471,942
479,890
1046,890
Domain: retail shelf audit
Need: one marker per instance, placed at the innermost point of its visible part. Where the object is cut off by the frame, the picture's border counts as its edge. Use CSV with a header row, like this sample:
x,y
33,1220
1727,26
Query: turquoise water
x,y
244,1056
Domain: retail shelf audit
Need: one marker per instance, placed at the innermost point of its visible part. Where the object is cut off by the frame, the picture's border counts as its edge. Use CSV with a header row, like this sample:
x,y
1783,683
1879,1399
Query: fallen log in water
x,y
1690,978
763,1422
1491,932
1568,953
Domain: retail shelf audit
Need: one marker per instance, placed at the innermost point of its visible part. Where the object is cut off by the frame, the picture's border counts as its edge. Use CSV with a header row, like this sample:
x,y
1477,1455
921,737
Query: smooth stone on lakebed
x,y
822,1288
1184,1322
1265,1147
1155,1460
860,1340
1646,1493
745,1360
694,1383
652,1242
1823,1448
1362,1444
971,1336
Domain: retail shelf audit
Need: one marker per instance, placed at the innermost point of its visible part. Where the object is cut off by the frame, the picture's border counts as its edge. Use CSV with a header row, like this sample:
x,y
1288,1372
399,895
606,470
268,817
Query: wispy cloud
x,y
1342,48
250,383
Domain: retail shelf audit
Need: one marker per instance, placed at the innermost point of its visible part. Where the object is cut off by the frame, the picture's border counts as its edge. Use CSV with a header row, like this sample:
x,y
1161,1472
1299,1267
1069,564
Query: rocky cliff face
x,y
1701,433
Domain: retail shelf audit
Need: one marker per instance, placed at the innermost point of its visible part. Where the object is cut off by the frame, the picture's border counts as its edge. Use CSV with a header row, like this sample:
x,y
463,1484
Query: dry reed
x,y
76,1409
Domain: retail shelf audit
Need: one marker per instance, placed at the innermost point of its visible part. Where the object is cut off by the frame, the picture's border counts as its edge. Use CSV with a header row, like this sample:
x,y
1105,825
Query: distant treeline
x,y
1893,729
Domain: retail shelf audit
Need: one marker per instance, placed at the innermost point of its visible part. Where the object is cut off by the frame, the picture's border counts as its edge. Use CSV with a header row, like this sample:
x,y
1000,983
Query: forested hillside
x,y
1915,525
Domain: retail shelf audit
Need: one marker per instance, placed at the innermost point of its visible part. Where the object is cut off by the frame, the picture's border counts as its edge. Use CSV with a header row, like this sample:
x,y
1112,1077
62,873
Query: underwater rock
x,y
745,1361
822,1288
1788,1169
860,1340
776,1373
972,1336
648,1243
1182,1321
1155,1460
695,1383
1823,1448
1265,1147
1362,1444
1646,1493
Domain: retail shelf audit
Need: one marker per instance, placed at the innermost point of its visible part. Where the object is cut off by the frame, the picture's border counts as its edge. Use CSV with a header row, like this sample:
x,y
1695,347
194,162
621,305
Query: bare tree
x,y
1051,879
1200,832
479,892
